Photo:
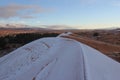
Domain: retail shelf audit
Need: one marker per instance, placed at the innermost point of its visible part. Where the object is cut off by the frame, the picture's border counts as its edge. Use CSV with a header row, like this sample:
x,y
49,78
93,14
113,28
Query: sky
x,y
62,14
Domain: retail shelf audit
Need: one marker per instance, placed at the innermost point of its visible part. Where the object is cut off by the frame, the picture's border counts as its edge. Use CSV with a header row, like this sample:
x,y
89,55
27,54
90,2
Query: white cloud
x,y
58,27
115,3
88,2
22,11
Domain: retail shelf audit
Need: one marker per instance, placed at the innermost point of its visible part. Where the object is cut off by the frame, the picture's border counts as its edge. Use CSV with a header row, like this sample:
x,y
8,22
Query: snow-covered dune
x,y
58,58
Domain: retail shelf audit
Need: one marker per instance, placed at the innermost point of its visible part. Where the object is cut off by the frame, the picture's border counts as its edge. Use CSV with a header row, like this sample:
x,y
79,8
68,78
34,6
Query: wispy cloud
x,y
106,2
21,11
88,2
58,26
27,16
115,3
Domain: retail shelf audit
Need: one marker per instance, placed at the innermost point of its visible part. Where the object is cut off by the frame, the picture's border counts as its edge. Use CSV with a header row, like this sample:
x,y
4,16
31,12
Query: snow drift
x,y
58,58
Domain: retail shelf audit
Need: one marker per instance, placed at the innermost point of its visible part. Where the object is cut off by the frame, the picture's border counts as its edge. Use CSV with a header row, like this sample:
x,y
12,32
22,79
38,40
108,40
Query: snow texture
x,y
58,58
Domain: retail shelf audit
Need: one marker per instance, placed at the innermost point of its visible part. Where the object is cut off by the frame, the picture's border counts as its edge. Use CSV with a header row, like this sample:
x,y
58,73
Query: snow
x,y
99,66
65,34
58,58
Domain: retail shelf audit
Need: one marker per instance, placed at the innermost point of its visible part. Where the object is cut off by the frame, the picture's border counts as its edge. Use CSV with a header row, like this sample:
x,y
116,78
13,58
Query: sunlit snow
x,y
58,58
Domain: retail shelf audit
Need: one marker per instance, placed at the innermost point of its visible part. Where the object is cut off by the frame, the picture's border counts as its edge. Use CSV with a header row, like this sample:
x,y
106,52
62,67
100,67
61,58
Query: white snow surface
x,y
65,34
58,58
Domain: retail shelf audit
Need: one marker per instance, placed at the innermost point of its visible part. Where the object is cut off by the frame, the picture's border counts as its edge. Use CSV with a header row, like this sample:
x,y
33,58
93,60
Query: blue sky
x,y
73,13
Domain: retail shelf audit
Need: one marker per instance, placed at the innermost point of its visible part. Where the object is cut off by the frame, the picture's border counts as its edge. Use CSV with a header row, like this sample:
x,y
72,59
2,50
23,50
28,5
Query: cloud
x,y
21,11
88,2
27,16
116,3
101,2
58,27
